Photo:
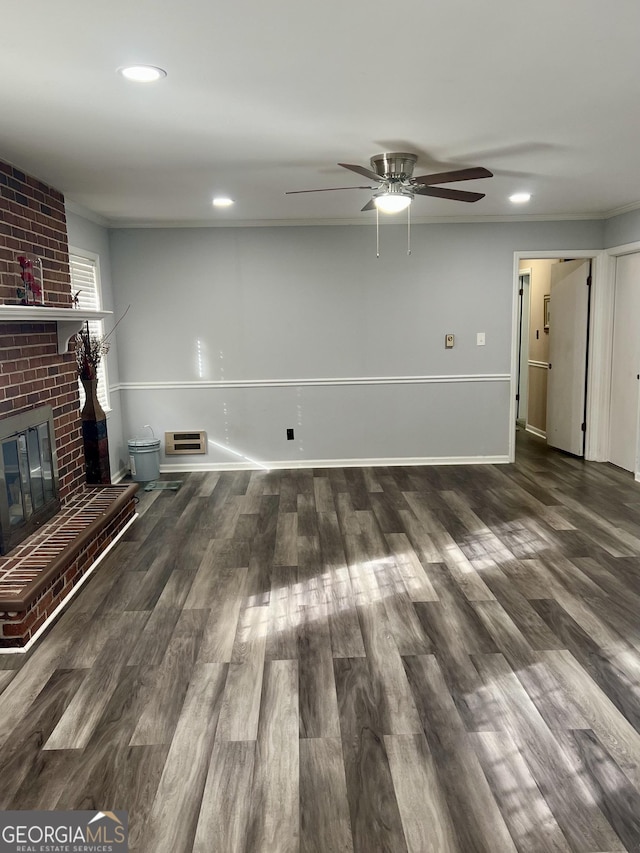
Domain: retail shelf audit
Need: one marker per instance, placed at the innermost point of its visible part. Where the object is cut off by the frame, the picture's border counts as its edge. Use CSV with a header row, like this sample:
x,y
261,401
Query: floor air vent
x,y
176,443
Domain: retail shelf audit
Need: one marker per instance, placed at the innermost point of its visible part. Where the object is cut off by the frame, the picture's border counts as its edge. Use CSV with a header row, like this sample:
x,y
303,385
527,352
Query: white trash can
x,y
144,459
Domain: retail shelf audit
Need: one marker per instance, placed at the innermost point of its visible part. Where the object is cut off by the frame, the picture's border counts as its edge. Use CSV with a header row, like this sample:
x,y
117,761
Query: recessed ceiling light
x,y
520,198
222,201
142,73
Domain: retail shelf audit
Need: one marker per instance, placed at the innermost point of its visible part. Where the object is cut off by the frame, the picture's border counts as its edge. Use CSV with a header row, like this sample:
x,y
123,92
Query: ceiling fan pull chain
x,y
409,230
377,233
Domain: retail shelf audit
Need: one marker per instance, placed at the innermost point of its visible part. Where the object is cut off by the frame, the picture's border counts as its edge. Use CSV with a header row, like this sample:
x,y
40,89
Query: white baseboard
x,y
119,475
535,431
183,467
65,601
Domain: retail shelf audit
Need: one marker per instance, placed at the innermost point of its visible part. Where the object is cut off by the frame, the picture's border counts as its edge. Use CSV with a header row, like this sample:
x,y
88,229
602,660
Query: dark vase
x,y
94,435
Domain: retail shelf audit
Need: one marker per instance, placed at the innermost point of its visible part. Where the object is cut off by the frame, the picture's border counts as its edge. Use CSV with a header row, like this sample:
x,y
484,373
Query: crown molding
x,y
618,211
85,213
289,223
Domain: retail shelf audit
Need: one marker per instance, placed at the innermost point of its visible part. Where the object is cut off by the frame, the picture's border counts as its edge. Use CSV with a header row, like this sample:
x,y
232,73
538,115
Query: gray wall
x,y
87,235
244,332
622,229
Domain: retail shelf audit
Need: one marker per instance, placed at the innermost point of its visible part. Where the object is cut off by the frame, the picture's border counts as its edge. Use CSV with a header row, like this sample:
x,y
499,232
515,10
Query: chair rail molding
x,y
543,364
205,384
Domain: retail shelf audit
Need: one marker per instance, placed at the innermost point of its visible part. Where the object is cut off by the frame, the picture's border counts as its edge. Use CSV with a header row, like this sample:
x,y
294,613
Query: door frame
x,y
600,345
522,273
608,280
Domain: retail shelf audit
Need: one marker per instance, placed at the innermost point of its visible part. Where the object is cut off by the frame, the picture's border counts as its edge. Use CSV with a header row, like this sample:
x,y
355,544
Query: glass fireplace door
x,y
14,457
34,462
28,476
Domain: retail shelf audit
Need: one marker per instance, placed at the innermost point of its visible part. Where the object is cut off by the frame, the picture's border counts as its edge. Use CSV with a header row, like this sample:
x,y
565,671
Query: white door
x,y
569,316
623,412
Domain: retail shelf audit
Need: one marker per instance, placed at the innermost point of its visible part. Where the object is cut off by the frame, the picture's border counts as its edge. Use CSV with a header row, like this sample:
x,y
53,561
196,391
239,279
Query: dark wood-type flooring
x,y
376,659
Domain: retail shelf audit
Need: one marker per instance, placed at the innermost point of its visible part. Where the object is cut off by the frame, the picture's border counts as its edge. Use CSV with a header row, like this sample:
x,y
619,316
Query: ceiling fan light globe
x,y
392,202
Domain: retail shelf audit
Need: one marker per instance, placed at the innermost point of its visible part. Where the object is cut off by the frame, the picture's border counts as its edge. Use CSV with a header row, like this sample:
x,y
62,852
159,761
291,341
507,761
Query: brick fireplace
x,y
42,571
32,372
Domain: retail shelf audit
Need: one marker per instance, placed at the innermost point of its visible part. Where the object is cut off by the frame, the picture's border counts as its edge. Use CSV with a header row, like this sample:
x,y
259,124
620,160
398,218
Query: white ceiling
x,y
263,97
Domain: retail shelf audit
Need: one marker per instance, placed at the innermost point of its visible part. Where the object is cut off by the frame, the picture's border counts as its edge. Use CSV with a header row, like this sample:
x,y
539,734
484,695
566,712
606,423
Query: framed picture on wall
x,y
546,303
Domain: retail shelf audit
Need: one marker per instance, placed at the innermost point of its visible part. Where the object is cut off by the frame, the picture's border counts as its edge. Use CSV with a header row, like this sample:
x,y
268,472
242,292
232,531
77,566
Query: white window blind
x,y
85,283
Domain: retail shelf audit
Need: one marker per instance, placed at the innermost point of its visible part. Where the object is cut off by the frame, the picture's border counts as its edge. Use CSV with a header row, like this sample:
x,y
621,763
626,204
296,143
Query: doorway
x,y
550,362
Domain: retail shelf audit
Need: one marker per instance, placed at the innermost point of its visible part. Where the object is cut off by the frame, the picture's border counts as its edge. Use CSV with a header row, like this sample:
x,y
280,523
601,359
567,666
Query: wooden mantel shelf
x,y
69,320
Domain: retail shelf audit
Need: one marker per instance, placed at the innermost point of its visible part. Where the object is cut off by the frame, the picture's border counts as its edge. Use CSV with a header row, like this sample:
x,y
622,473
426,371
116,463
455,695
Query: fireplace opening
x,y
28,475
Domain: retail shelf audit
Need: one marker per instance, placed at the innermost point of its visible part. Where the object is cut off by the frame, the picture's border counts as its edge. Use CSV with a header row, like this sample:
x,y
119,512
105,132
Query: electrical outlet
x,y
480,339
449,341
290,434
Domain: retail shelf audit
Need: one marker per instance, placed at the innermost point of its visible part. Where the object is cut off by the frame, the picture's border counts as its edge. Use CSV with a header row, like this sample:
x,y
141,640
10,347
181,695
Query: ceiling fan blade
x,y
327,190
442,192
370,205
360,170
456,175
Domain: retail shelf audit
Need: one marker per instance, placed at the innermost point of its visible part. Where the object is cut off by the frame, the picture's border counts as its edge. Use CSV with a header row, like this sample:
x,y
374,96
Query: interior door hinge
x,y
589,280
521,291
517,397
583,427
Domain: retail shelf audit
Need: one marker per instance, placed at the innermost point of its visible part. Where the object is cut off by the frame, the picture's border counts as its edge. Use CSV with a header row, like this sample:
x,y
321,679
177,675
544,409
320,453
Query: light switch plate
x,y
449,341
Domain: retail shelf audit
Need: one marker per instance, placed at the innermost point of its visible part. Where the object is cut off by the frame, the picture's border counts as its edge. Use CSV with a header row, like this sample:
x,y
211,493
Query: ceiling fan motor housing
x,y
396,166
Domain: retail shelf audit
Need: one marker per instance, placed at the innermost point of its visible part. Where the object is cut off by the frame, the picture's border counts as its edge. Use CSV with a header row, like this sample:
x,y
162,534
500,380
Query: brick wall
x,y
32,373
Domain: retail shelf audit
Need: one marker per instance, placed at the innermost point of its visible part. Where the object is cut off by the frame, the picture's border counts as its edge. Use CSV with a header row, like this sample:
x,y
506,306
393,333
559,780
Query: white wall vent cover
x,y
177,443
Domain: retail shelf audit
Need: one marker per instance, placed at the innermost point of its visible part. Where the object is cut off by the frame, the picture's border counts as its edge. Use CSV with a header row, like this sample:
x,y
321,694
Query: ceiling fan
x,y
396,186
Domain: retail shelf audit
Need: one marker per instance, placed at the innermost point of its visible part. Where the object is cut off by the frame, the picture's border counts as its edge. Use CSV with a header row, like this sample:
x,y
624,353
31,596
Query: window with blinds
x,y
85,285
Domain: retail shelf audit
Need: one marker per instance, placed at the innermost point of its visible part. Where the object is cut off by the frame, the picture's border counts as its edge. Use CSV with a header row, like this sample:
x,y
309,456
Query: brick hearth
x,y
41,573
